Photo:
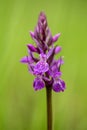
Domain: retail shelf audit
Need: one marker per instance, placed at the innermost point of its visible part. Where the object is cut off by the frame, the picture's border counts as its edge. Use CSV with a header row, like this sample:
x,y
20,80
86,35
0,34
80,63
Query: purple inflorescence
x,y
45,68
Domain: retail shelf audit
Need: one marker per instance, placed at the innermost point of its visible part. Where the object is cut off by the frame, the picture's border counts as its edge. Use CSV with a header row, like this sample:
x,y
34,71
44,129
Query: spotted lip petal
x,y
59,86
38,84
56,87
41,67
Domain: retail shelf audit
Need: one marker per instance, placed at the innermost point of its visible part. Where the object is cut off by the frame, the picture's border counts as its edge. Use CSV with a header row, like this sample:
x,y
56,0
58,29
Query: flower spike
x,y
45,68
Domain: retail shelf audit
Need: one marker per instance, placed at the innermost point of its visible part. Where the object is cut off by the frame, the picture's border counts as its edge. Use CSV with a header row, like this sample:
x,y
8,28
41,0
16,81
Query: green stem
x,y
49,107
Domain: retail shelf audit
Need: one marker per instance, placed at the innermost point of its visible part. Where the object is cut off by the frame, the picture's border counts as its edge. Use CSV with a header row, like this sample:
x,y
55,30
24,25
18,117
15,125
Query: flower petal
x,y
41,67
50,53
63,85
32,34
56,87
25,59
48,40
38,84
56,74
55,38
32,48
60,61
59,86
58,49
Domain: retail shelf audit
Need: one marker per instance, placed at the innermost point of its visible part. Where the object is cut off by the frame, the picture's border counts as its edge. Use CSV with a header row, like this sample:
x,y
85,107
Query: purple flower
x,y
45,68
41,66
38,83
59,85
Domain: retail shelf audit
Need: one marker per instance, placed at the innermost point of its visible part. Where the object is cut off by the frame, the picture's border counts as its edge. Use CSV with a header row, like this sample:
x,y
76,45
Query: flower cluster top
x,y
45,68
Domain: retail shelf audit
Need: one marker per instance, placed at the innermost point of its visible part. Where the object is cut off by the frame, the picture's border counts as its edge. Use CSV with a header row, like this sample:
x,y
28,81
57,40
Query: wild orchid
x,y
46,68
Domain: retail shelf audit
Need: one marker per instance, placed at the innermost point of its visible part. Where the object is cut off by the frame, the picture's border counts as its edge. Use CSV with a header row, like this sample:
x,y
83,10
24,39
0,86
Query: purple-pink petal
x,y
43,57
50,53
59,86
55,38
58,49
60,61
25,59
63,85
41,67
32,34
38,84
48,40
32,48
56,87
57,74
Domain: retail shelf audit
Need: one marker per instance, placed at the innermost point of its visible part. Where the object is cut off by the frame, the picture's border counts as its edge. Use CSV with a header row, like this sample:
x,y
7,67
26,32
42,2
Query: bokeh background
x,y
21,108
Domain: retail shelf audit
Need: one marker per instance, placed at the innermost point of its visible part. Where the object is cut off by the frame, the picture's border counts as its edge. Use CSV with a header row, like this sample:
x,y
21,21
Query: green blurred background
x,y
21,108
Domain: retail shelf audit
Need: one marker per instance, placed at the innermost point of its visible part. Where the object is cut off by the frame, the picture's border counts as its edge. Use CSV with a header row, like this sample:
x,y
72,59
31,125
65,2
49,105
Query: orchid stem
x,y
49,107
